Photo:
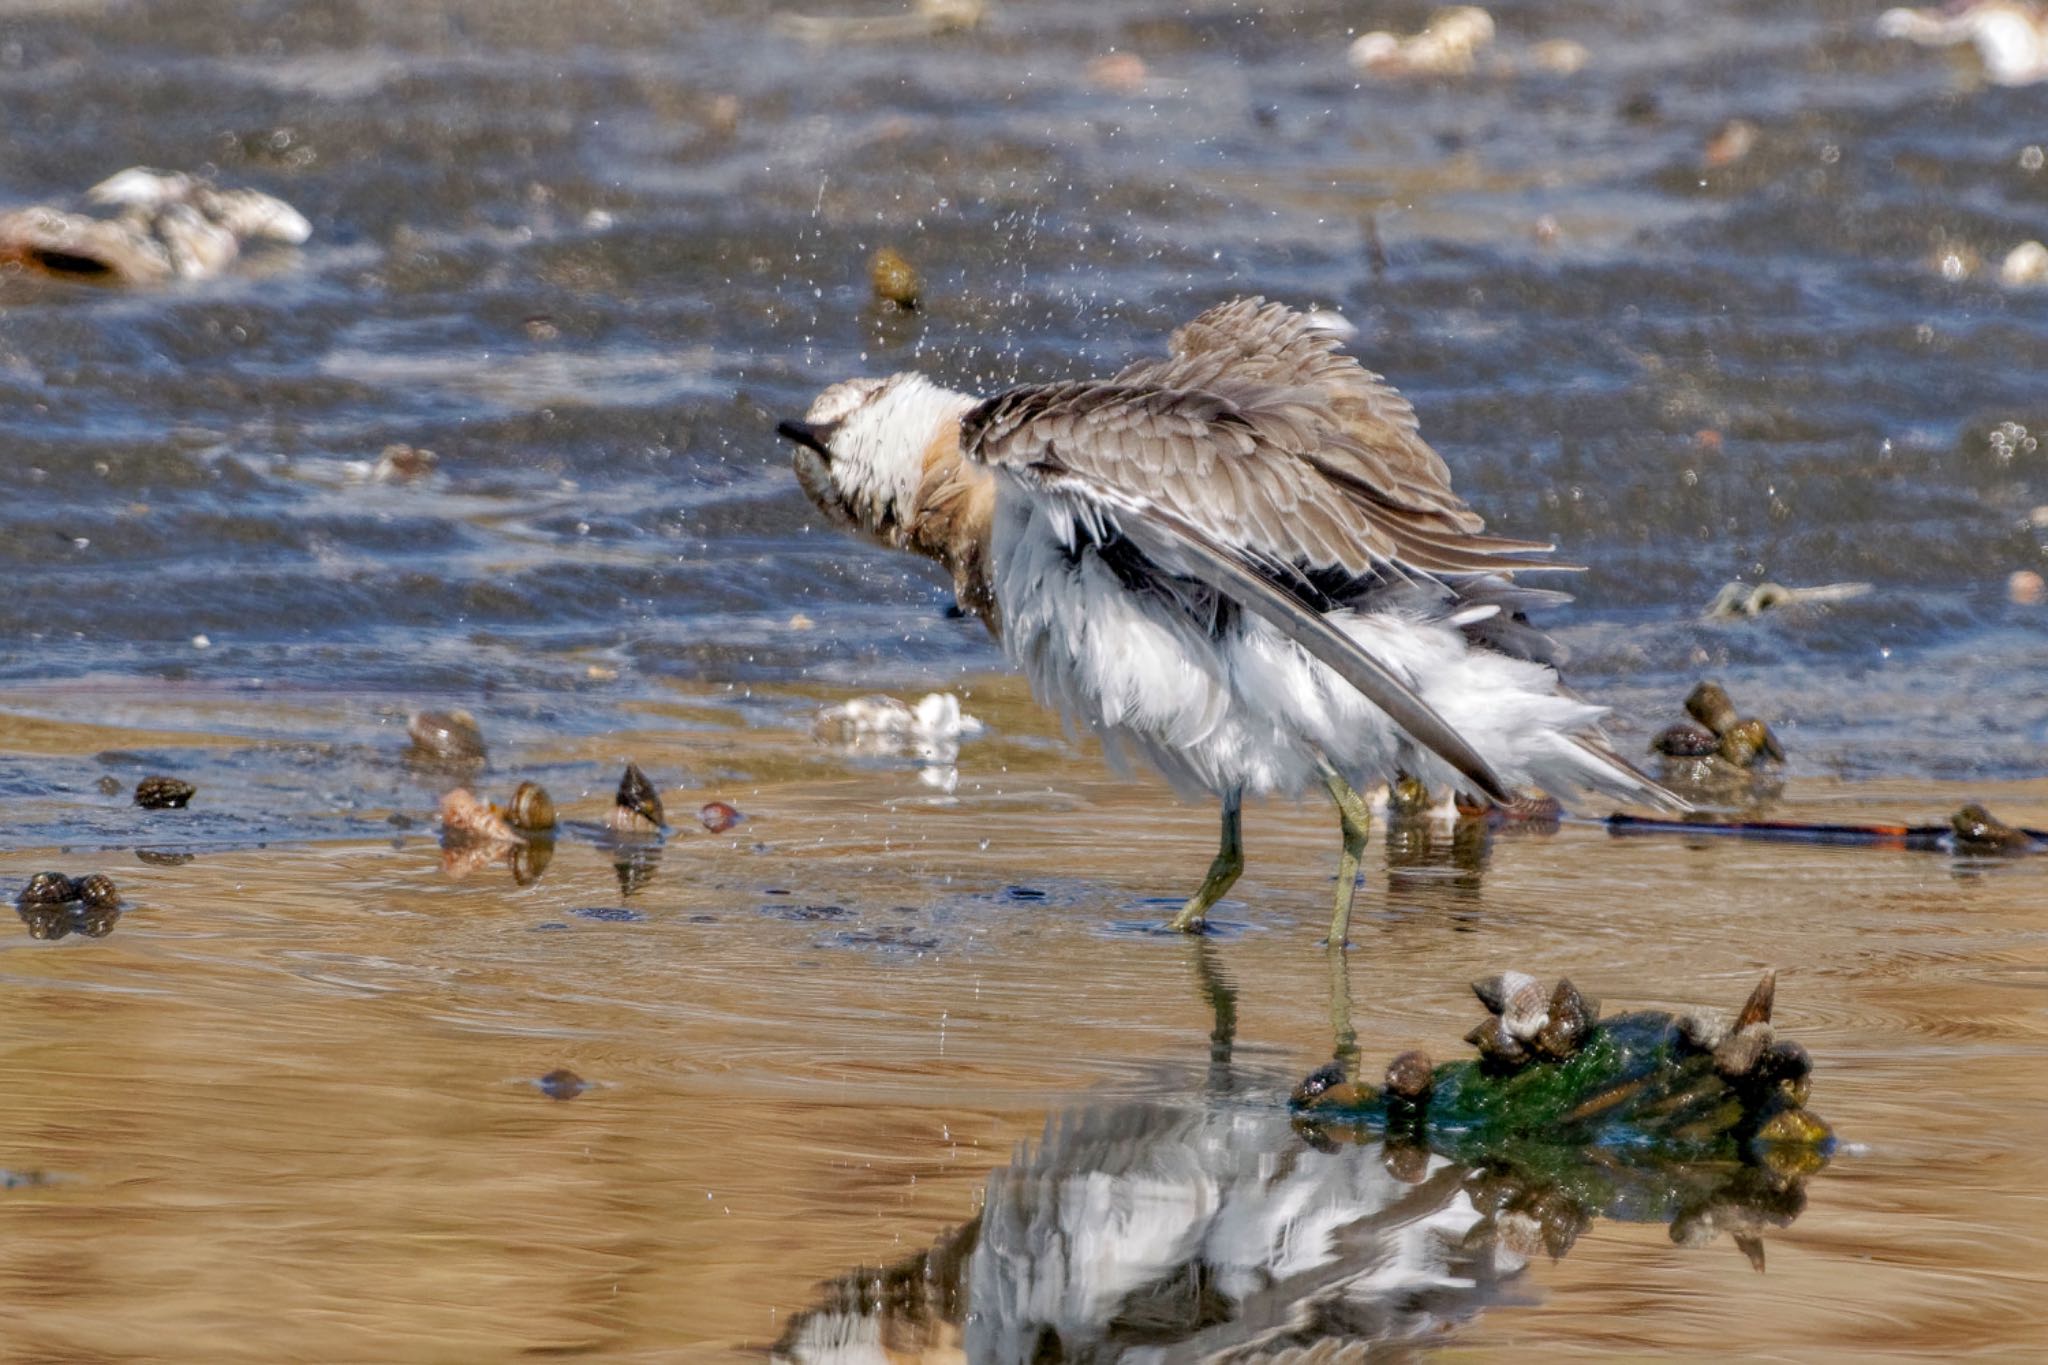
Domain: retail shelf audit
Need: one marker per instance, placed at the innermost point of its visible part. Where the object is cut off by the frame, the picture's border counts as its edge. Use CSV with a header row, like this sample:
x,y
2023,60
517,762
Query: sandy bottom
x,y
287,1107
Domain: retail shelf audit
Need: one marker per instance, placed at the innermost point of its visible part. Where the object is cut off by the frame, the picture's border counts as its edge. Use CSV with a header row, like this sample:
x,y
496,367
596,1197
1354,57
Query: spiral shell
x,y
1570,1019
1686,740
1410,1077
47,888
1518,998
1497,1046
637,808
531,808
1710,705
163,793
1747,741
98,892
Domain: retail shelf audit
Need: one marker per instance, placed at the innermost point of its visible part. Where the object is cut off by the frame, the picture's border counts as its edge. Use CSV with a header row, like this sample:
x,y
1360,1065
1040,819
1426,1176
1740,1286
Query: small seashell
x,y
532,809
47,888
2025,588
718,817
467,820
1410,1077
1757,1009
2026,264
1319,1082
1788,1068
1496,1045
1740,1052
1978,831
1701,1032
1736,139
1747,741
1518,998
1569,1019
446,736
163,793
893,279
637,808
1686,740
1710,706
98,892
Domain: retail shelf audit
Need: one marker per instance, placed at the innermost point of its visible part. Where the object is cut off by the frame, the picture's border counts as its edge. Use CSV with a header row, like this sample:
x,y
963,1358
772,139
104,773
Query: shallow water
x,y
587,254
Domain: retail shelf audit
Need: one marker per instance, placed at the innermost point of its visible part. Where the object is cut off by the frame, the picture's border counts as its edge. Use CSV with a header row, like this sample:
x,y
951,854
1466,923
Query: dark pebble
x,y
609,914
109,785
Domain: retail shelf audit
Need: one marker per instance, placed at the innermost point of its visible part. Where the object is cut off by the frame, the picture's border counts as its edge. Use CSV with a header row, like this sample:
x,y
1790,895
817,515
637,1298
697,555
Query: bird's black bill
x,y
812,436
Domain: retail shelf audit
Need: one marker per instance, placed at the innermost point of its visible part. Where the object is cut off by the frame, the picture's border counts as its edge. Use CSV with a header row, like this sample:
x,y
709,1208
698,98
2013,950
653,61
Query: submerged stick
x,y
1971,831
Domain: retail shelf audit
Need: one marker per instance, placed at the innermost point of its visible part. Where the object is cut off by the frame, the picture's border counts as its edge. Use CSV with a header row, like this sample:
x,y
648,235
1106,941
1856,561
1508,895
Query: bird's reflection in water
x,y
1442,847
1228,1230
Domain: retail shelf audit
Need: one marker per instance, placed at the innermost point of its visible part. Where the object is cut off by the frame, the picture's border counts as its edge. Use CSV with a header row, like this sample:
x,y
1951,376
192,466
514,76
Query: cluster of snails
x,y
53,905
1528,1027
1716,731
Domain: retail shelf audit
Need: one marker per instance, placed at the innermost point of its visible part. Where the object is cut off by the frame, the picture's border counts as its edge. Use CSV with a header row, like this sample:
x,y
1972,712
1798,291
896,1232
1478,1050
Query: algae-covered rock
x,y
1647,1082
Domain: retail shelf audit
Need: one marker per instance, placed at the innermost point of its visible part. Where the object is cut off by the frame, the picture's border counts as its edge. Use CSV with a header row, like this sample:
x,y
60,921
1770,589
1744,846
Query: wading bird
x,y
1241,561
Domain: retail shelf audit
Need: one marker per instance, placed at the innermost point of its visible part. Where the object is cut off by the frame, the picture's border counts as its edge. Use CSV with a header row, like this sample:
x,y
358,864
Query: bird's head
x,y
862,448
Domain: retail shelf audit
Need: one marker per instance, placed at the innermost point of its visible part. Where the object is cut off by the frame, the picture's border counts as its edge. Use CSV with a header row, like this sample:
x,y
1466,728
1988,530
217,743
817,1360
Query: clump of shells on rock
x,y
1550,1069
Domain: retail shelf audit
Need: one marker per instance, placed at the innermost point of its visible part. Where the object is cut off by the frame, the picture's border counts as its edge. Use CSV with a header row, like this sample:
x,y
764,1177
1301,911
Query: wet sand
x,y
286,1108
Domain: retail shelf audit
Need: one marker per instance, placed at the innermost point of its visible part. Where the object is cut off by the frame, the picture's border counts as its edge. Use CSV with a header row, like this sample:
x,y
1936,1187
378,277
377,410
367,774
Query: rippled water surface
x,y
587,254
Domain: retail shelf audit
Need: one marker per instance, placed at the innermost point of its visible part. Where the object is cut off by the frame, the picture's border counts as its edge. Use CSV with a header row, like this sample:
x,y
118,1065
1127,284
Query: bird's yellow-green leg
x,y
1355,817
1222,872
1344,1038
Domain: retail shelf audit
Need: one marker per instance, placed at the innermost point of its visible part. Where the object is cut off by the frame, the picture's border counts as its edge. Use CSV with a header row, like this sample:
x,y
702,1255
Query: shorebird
x,y
1241,561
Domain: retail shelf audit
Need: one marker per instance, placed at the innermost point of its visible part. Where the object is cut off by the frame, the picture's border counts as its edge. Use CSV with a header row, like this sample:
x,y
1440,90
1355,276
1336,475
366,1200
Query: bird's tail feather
x,y
1588,762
